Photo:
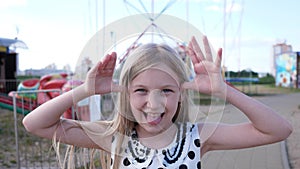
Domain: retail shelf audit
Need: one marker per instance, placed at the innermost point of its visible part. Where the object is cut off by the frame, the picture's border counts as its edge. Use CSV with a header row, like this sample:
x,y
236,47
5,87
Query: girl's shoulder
x,y
100,132
189,130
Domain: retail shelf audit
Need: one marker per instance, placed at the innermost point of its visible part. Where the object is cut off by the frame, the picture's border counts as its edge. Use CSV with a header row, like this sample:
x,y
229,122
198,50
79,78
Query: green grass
x,y
33,149
265,89
250,90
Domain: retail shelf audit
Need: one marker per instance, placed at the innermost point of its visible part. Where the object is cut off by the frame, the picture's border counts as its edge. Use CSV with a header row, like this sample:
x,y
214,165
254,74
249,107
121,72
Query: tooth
x,y
154,115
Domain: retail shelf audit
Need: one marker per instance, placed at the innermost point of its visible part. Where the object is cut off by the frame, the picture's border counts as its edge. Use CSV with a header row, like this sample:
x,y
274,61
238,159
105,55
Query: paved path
x,y
263,157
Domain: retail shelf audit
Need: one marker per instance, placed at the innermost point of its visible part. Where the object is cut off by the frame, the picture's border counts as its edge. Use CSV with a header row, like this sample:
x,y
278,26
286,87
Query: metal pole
x,y
224,39
16,131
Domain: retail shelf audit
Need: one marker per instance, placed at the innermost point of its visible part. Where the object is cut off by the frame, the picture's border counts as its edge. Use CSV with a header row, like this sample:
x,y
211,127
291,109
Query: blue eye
x,y
140,90
167,90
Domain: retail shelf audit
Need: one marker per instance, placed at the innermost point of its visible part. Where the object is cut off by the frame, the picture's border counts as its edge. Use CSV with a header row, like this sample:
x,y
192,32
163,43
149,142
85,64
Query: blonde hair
x,y
142,58
145,57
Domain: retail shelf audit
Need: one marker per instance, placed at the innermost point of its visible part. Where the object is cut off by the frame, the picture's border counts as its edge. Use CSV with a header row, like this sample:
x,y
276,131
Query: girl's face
x,y
154,96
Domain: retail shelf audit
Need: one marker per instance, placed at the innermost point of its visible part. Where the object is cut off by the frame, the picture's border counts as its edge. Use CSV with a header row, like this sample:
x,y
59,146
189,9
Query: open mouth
x,y
154,118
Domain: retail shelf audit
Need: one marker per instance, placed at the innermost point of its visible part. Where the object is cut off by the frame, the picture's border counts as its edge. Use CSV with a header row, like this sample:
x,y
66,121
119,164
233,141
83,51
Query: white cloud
x,y
213,8
230,7
257,42
235,7
12,3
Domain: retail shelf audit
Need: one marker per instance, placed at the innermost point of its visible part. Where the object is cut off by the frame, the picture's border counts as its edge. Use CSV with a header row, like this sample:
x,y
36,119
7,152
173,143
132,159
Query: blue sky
x,y
56,31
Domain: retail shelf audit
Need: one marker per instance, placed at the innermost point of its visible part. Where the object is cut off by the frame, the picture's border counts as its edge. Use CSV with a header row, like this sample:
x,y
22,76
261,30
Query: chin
x,y
154,129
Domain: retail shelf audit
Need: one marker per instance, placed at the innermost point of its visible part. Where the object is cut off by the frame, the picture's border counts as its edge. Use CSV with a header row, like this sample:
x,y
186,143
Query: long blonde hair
x,y
142,58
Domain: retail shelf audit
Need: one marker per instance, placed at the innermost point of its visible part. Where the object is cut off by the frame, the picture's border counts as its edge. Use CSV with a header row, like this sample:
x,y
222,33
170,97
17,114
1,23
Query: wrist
x,y
233,95
80,92
222,92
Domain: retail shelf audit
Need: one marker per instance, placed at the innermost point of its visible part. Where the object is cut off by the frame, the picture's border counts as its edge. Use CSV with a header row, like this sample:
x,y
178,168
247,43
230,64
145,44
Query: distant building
x,y
42,72
9,63
286,66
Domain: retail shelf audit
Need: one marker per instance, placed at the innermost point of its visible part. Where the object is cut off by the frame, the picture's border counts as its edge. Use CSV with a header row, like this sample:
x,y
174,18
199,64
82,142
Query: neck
x,y
159,140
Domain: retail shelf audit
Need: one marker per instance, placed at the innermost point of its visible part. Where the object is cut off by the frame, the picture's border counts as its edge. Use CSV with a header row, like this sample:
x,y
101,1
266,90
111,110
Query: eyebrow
x,y
145,86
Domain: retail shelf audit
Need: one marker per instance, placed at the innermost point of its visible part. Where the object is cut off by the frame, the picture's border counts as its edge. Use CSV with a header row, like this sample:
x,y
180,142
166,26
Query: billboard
x,y
286,70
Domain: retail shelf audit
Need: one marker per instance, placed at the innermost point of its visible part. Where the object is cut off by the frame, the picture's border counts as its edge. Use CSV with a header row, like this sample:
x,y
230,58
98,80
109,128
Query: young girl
x,y
151,126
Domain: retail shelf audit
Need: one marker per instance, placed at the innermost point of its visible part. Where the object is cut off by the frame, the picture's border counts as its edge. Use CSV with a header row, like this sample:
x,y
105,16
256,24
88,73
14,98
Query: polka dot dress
x,y
182,153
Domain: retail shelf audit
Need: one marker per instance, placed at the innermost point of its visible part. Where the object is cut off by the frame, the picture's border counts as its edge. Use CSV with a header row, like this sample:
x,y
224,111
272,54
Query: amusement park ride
x,y
121,36
131,31
26,92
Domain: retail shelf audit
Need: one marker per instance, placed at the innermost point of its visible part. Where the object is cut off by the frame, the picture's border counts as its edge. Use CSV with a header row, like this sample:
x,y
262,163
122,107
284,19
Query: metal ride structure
x,y
126,33
156,26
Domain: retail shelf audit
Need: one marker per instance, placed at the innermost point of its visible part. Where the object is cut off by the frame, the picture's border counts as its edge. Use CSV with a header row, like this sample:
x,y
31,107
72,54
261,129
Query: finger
x,y
108,64
109,61
207,49
197,49
200,68
219,58
192,54
112,62
93,71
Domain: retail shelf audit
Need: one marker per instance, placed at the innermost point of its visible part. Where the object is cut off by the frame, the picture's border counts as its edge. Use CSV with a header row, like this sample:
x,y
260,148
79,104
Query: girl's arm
x,y
265,125
45,120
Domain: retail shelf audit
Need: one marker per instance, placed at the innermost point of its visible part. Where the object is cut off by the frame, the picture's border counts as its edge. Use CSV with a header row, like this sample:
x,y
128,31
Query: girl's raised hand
x,y
208,79
99,78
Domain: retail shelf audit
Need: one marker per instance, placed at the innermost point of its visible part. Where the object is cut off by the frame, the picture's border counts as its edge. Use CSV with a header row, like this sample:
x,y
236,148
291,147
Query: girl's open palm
x,y
208,79
99,78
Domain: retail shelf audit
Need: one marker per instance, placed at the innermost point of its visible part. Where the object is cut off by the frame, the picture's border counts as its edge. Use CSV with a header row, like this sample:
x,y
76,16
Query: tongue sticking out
x,y
153,120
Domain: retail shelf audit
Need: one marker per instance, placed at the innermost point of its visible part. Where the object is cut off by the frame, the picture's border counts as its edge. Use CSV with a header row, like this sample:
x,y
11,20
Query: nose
x,y
156,100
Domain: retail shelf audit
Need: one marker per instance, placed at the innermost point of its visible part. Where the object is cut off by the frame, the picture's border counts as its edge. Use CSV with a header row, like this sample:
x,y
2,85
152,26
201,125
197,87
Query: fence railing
x,y
23,150
7,85
31,151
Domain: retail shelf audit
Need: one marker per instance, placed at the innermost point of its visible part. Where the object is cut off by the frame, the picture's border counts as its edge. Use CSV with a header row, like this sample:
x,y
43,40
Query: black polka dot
x,y
197,142
111,161
126,162
191,155
183,166
199,165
